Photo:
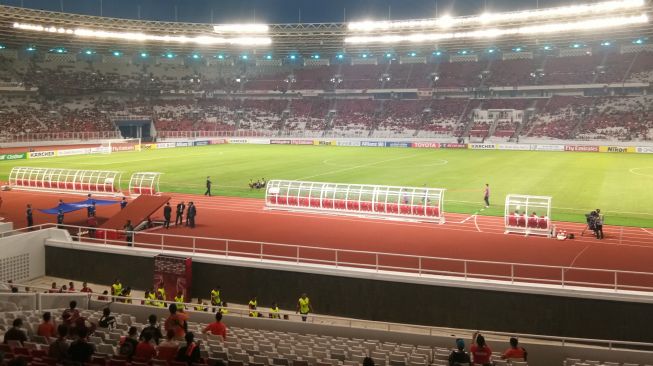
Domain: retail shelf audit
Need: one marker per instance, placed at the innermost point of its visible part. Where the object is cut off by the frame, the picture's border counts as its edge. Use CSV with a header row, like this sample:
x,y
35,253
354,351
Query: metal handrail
x,y
173,242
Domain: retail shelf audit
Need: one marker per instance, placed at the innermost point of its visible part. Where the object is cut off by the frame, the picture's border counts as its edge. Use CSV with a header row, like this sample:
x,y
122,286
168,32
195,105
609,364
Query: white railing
x,y
423,266
61,136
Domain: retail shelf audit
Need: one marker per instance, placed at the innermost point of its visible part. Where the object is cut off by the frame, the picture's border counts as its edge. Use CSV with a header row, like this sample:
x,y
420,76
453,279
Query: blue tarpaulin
x,y
76,206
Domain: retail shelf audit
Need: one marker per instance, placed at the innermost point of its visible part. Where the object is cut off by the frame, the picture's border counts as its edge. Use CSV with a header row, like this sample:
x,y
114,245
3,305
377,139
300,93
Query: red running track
x,y
478,238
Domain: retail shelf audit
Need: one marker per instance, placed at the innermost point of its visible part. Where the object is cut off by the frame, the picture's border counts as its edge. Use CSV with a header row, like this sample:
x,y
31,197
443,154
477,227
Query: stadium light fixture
x,y
170,55
582,25
195,56
316,56
89,52
639,41
517,49
116,53
364,55
340,56
31,49
268,57
412,54
292,57
143,54
437,53
143,37
241,28
244,57
2,47
448,21
220,56
491,50
606,43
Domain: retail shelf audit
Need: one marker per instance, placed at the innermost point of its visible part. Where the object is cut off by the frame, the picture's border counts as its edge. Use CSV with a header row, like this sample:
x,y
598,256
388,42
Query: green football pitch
x,y
620,184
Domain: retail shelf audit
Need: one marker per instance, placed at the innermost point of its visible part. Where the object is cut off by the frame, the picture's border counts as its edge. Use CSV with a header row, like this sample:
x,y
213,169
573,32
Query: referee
x,y
486,195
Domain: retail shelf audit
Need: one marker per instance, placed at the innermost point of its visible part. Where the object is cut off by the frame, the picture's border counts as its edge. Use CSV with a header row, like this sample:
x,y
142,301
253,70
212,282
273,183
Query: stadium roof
x,y
59,29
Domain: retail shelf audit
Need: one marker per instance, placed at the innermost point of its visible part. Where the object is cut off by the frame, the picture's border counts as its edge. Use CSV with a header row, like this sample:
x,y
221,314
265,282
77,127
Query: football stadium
x,y
302,183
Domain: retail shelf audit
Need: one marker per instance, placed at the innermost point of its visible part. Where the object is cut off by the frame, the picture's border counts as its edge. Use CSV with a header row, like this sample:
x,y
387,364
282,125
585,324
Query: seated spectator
x,y
515,352
217,327
145,349
368,361
107,320
459,356
481,353
104,297
128,343
80,350
85,288
59,348
167,350
15,333
190,353
71,314
53,289
46,328
176,321
152,329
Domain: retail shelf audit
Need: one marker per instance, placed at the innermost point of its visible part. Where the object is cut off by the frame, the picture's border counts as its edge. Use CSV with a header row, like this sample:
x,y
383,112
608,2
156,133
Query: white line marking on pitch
x,y
476,224
633,171
356,167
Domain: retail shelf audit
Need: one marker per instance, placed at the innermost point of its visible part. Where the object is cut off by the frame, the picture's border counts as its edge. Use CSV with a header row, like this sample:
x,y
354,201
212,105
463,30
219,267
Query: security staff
x,y
30,218
304,306
252,307
275,311
215,296
167,212
179,219
190,217
116,287
161,290
179,300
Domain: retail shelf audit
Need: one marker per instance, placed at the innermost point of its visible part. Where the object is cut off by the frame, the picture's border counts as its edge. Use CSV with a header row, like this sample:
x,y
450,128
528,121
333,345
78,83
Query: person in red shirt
x,y
176,321
167,349
47,329
481,353
85,288
217,327
71,287
145,350
515,353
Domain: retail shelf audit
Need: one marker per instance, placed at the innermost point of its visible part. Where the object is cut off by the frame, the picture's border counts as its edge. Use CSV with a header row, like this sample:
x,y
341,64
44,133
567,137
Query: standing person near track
x,y
598,224
123,203
167,212
190,216
30,217
486,195
179,218
60,218
208,187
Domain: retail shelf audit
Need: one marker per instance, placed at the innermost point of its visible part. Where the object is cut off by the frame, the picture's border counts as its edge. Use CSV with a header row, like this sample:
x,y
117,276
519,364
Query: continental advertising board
x,y
372,143
550,147
514,147
644,149
398,144
350,143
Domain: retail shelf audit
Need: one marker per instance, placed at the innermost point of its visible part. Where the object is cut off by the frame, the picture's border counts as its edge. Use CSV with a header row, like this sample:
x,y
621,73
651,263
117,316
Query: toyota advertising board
x,y
426,145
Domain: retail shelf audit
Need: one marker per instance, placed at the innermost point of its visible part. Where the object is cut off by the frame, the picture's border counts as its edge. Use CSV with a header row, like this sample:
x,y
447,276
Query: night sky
x,y
280,11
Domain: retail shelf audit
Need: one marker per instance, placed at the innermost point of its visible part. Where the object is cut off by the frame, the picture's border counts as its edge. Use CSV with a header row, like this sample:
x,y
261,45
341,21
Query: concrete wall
x,y
22,256
380,300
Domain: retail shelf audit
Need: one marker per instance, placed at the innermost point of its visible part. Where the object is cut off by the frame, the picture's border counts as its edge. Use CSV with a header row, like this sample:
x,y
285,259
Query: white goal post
x,y
528,215
423,204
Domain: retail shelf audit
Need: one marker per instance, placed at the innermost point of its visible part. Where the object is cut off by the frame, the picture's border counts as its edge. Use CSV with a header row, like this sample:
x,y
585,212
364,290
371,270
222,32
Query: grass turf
x,y
620,184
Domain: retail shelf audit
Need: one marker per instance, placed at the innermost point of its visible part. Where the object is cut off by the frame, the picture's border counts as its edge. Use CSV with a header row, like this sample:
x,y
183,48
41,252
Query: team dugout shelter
x,y
103,182
424,204
529,215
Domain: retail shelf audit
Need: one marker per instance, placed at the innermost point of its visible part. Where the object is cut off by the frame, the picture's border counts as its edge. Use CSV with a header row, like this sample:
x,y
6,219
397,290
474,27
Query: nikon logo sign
x,y
617,149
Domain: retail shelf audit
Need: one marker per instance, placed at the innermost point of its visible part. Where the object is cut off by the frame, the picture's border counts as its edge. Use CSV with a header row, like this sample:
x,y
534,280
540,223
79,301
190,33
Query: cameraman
x,y
598,224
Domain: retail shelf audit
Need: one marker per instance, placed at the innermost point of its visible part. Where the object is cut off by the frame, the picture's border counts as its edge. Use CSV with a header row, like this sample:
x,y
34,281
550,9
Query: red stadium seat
x,y
532,221
405,210
380,207
432,211
512,220
418,210
353,205
521,221
304,202
292,201
327,203
315,202
366,206
46,184
543,223
282,200
340,204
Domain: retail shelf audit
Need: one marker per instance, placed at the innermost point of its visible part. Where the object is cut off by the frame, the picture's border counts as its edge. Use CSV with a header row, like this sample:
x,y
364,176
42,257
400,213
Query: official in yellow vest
x,y
304,306
161,290
151,299
179,300
215,296
252,307
275,312
200,306
116,287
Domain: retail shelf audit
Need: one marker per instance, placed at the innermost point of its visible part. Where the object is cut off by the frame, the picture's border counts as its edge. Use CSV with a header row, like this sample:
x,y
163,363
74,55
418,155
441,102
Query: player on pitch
x,y
486,195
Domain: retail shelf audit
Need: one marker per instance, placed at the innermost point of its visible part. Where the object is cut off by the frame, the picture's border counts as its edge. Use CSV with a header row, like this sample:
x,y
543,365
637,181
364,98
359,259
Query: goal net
x,y
119,145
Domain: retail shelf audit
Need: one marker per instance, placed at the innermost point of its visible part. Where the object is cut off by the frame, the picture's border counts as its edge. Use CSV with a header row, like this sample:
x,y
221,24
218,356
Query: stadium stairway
x,y
137,211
